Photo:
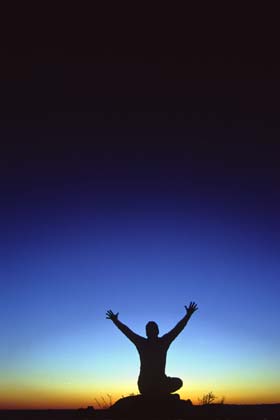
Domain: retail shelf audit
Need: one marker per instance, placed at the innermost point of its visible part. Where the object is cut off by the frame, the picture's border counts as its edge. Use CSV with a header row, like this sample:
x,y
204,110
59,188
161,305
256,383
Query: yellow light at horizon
x,y
78,395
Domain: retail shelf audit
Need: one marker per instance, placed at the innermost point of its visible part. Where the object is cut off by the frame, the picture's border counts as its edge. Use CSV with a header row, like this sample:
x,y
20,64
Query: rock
x,y
138,406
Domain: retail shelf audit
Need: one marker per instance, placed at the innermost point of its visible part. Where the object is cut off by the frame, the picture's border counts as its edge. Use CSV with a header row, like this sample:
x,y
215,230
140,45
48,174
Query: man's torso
x,y
152,356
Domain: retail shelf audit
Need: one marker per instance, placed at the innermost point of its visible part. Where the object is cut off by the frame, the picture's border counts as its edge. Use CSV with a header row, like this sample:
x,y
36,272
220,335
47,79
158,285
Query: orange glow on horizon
x,y
74,399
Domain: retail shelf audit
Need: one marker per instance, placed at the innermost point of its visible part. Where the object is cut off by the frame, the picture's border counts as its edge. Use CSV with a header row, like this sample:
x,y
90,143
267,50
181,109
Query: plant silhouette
x,y
152,380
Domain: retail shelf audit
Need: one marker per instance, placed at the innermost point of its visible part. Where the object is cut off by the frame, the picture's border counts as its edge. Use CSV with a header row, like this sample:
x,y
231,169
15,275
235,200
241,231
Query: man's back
x,y
152,354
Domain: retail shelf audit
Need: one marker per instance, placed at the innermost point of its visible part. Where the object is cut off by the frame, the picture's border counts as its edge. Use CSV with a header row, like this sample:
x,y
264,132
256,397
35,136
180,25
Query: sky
x,y
138,184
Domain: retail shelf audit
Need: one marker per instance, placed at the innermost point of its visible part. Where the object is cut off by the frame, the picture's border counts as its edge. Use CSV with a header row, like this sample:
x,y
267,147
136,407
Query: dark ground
x,y
213,411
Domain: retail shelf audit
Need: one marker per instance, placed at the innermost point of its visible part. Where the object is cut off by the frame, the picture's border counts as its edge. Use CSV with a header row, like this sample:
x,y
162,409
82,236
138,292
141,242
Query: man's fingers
x,y
192,307
109,314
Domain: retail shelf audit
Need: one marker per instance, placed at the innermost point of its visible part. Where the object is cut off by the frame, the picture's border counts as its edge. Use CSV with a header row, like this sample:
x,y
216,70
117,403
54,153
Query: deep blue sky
x,y
136,185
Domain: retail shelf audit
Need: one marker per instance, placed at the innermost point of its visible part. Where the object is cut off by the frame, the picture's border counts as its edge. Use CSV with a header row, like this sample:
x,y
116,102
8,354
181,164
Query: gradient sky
x,y
137,188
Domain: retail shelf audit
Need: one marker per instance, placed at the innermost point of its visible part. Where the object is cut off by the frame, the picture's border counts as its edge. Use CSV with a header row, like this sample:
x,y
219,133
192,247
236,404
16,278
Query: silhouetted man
x,y
152,350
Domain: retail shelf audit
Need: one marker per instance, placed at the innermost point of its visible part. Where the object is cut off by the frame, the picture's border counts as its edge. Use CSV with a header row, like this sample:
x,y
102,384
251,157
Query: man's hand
x,y
111,315
191,309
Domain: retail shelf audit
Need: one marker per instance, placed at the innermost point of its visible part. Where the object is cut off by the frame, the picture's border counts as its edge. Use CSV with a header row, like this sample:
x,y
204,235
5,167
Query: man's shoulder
x,y
140,342
139,339
165,339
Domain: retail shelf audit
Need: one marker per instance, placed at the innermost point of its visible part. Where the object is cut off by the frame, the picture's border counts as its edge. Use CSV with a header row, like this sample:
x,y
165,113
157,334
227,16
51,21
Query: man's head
x,y
152,330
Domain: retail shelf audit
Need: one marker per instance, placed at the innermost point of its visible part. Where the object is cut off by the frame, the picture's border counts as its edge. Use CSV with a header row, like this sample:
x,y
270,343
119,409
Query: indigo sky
x,y
138,185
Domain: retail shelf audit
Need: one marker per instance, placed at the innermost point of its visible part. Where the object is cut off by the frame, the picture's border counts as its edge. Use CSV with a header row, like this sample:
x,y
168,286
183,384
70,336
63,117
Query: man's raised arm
x,y
124,329
172,334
